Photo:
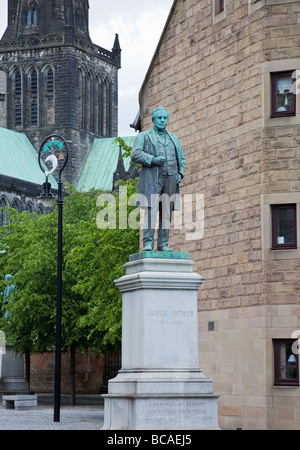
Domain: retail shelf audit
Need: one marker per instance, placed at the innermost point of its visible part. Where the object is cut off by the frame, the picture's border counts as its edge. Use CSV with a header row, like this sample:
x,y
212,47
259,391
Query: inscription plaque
x,y
190,413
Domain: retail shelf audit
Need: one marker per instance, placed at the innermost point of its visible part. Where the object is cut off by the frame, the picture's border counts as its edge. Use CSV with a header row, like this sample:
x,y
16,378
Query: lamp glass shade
x,y
46,197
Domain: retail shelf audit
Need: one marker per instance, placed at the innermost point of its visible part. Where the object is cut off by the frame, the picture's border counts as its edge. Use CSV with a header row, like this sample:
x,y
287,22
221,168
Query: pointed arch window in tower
x,y
32,13
89,101
107,108
3,212
48,111
81,98
98,104
78,20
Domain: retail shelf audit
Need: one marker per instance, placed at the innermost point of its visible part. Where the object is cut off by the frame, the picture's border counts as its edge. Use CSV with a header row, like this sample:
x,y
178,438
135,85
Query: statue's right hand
x,y
159,160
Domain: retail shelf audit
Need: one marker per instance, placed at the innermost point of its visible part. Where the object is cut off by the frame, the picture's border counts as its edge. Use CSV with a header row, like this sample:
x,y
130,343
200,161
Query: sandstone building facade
x,y
228,73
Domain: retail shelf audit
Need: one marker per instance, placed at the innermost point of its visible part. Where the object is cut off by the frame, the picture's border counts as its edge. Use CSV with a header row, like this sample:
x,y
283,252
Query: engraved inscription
x,y
170,317
183,411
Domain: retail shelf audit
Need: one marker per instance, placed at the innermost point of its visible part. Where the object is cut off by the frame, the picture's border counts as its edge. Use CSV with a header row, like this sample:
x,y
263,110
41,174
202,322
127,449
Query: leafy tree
x,y
93,259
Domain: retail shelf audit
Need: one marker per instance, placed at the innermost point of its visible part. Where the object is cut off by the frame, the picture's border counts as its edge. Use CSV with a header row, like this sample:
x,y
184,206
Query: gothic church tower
x,y
54,80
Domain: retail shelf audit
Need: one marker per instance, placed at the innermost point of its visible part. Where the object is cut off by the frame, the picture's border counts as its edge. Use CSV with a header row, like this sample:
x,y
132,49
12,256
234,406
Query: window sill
x,y
269,254
282,249
281,116
252,7
280,121
219,17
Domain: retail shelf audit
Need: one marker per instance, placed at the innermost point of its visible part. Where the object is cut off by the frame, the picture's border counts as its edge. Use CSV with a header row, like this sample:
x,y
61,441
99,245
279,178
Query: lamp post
x,y
55,150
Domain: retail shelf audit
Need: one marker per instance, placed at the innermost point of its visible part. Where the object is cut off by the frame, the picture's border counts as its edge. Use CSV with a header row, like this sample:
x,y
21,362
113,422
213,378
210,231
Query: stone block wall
x,y
238,355
212,72
209,78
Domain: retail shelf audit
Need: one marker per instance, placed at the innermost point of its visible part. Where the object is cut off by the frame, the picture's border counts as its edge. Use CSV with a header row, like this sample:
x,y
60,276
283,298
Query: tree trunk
x,y
72,372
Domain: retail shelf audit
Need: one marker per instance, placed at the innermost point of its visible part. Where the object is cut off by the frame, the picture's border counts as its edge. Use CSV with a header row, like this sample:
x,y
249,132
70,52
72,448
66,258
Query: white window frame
x,y
266,225
272,67
218,15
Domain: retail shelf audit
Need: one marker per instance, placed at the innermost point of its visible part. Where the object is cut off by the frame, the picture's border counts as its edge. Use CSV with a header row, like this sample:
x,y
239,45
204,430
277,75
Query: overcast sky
x,y
139,25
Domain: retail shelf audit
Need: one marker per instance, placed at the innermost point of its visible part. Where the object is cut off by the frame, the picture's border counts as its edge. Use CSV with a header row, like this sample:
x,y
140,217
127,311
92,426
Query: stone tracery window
x,y
47,113
98,104
3,213
32,13
82,100
50,81
29,207
106,108
16,204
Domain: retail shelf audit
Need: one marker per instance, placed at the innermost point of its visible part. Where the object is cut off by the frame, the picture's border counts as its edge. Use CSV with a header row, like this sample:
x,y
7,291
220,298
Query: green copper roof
x,y
101,164
19,159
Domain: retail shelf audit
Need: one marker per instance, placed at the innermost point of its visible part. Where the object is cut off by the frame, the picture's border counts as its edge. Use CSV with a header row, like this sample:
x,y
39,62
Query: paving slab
x,y
88,415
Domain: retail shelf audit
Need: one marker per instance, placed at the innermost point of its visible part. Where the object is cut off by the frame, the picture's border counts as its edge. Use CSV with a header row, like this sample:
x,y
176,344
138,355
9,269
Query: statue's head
x,y
8,277
160,117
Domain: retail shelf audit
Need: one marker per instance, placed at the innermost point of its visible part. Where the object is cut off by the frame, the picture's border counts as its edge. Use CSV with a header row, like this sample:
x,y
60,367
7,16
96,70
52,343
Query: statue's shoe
x,y
165,248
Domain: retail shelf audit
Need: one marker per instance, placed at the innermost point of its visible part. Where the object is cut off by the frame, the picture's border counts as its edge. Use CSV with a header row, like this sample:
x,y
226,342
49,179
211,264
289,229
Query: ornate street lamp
x,y
54,150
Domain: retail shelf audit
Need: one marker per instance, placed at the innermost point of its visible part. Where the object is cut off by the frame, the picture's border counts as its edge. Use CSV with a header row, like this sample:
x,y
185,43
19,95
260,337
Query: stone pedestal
x,y
160,385
12,378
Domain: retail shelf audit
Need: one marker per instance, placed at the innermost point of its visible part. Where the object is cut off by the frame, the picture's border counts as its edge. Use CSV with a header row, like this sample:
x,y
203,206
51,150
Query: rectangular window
x,y
284,226
286,369
283,99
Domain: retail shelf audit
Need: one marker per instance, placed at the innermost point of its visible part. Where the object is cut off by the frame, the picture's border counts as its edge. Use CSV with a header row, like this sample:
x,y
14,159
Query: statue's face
x,y
160,120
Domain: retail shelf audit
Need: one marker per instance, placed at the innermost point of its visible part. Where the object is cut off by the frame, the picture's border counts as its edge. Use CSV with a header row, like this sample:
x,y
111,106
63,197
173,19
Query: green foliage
x,y
92,260
126,148
126,153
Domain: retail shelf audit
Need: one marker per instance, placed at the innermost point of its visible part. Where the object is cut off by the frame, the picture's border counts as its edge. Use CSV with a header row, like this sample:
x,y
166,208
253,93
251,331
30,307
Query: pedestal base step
x,y
160,401
161,412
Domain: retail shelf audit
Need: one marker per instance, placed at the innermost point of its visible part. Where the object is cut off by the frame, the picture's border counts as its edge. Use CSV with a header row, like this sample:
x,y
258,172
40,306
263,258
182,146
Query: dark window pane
x,y
18,85
34,83
287,362
284,94
50,81
286,369
18,113
283,97
34,113
284,226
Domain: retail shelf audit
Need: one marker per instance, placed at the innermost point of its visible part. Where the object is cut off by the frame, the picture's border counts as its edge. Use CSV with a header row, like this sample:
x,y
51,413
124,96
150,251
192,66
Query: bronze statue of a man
x,y
162,168
6,294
